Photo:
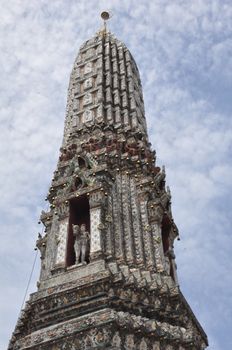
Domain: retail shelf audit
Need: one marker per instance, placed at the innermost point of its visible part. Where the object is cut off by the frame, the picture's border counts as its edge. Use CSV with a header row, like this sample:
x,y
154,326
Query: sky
x,y
183,50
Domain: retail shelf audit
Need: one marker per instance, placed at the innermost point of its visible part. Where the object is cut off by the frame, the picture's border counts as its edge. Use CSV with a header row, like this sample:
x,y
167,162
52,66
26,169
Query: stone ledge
x,y
74,273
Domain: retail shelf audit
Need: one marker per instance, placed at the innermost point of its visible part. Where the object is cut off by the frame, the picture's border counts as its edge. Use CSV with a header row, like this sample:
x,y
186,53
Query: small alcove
x,y
79,214
165,233
81,162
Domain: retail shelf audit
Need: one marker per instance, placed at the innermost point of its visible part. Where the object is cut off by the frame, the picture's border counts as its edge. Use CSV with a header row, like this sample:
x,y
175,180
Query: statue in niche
x,y
81,236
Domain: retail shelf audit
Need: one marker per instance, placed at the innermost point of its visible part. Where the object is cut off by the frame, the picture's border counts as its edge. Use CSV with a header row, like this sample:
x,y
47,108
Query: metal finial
x,y
105,15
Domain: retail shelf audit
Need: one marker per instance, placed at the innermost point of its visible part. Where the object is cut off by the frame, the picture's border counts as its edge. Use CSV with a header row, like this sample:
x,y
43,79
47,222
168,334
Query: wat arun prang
x,y
108,274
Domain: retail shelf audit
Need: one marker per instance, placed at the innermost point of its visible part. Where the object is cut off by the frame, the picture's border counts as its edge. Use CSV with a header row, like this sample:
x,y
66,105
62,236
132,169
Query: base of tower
x,y
110,329
114,308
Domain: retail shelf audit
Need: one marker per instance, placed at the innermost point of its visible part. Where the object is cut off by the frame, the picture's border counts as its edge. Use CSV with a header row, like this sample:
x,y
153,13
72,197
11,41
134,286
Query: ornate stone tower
x,y
108,274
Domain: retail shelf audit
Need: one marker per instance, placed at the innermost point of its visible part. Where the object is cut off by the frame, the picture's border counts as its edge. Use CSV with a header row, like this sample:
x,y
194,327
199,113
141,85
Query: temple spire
x,y
108,273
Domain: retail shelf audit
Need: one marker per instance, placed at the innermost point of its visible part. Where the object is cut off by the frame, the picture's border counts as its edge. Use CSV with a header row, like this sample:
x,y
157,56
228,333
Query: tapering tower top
x,y
105,88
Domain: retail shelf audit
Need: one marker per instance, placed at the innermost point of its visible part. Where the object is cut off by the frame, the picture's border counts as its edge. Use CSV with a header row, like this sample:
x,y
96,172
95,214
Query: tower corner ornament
x,y
108,276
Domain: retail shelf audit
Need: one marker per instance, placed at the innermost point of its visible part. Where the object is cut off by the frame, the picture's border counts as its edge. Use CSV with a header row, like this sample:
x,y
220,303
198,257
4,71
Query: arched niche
x,y
165,232
166,227
79,213
81,163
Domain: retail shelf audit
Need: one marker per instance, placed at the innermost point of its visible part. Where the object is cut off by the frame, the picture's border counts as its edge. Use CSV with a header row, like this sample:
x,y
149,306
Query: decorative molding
x,y
61,242
95,231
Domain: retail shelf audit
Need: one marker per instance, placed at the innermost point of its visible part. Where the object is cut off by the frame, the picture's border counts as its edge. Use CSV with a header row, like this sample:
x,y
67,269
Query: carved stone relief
x,y
88,98
99,95
143,345
89,52
99,113
146,233
156,346
129,342
116,97
158,249
109,113
169,347
116,341
88,68
88,115
88,83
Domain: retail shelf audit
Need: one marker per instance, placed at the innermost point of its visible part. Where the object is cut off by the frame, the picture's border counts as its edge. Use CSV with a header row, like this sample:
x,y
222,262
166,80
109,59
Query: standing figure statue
x,y
169,257
167,264
81,236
